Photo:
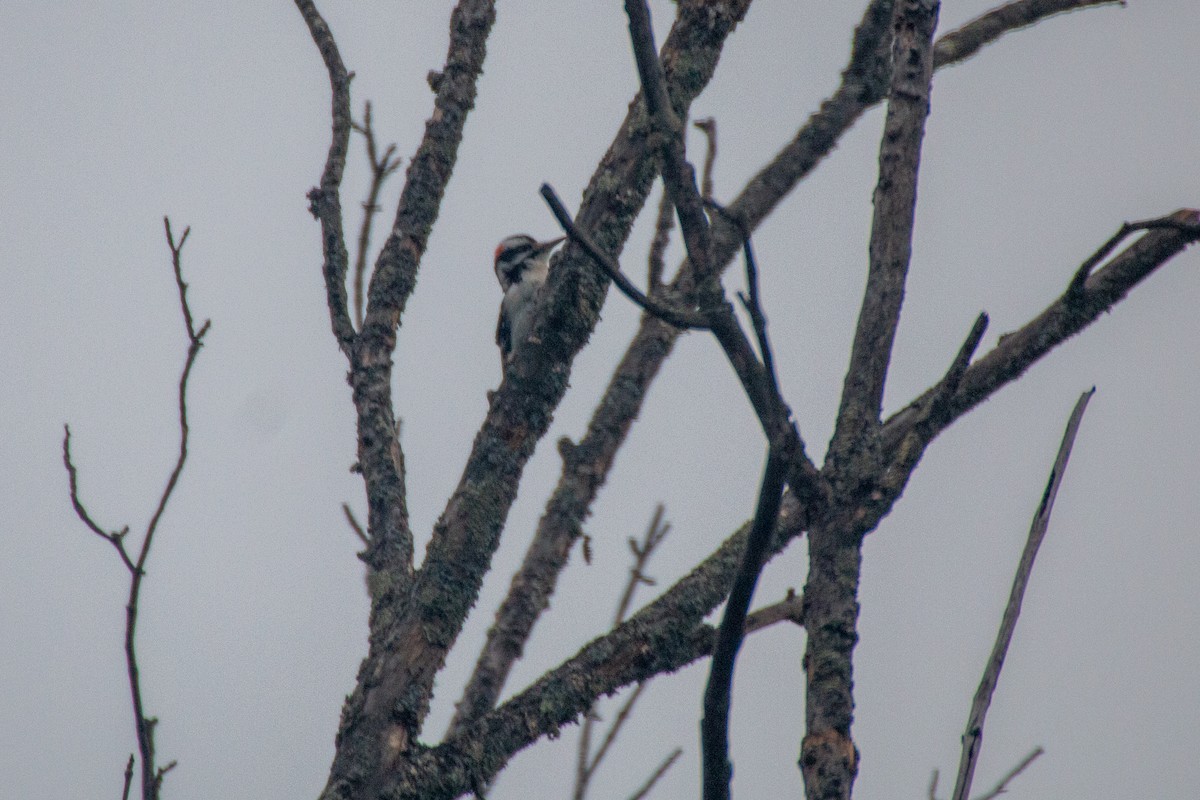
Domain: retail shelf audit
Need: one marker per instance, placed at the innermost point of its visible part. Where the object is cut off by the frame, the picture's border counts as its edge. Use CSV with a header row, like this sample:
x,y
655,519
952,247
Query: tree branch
x,y
468,532
1002,785
907,432
151,774
680,318
973,737
667,763
586,464
325,202
853,464
714,725
854,447
586,761
374,726
382,168
959,45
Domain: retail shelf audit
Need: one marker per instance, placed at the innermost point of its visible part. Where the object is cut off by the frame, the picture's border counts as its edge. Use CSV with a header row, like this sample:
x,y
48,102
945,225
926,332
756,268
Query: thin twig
x,y
961,44
1002,785
1079,279
115,538
948,385
973,736
355,525
586,762
610,735
709,127
933,782
658,773
687,320
381,169
128,778
789,608
151,775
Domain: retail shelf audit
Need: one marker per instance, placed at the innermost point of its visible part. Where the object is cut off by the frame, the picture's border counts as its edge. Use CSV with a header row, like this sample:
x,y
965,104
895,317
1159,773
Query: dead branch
x,y
151,773
569,309
667,763
1002,785
354,524
586,761
864,83
973,737
1016,351
325,201
382,168
961,44
828,756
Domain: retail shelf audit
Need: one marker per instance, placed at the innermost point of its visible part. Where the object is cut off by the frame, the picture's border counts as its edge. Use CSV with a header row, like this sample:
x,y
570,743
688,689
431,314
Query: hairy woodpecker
x,y
521,265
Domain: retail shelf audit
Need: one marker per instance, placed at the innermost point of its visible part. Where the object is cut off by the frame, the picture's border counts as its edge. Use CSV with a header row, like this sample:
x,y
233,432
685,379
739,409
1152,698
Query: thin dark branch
x,y
1002,785
709,128
151,775
687,320
610,735
973,737
115,538
354,524
176,250
961,44
678,175
714,727
325,201
587,763
1018,350
656,531
1079,279
753,305
963,358
949,383
128,778
382,167
658,773
933,782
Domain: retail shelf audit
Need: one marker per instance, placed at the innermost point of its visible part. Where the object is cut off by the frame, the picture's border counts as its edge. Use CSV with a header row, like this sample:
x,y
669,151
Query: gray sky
x,y
253,617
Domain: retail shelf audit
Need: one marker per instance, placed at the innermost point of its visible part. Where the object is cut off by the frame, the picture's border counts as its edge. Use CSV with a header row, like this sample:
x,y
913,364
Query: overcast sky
x,y
254,613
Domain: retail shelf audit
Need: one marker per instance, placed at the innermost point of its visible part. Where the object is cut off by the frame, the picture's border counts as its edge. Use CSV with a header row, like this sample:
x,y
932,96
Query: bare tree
x,y
418,607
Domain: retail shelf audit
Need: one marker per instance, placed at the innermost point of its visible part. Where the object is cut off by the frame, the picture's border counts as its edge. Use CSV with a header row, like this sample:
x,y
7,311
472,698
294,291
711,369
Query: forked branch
x,y
382,168
151,773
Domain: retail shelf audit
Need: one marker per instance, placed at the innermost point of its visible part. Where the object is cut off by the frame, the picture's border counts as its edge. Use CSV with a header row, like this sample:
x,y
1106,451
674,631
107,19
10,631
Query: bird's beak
x,y
547,246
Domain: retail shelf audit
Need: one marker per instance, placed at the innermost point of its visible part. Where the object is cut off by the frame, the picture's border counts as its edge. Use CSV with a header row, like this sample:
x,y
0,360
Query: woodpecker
x,y
521,264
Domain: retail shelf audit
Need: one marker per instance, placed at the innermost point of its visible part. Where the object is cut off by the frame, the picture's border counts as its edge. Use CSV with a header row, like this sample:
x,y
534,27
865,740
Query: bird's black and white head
x,y
521,256
522,264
